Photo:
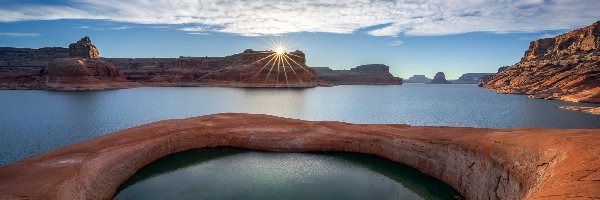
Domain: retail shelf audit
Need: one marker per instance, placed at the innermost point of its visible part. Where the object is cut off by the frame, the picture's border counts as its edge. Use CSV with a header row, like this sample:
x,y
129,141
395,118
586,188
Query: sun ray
x,y
261,59
294,61
284,71
261,69
292,68
272,65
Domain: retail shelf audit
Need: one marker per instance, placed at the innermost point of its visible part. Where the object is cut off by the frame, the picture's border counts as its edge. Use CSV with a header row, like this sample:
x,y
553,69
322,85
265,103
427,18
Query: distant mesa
x,y
565,67
372,74
439,78
418,79
471,78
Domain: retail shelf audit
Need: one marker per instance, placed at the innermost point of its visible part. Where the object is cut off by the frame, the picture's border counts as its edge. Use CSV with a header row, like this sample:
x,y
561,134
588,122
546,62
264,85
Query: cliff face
x,y
373,74
439,78
566,67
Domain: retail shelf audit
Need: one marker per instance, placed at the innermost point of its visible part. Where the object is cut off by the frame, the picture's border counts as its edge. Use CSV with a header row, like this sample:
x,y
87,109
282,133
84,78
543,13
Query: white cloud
x,y
198,33
396,43
121,27
273,17
12,34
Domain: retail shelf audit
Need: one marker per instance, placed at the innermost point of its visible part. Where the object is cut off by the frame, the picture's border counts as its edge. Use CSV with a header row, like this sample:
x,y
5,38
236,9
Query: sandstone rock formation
x,y
83,49
83,74
373,74
471,78
247,69
479,163
418,79
565,67
439,78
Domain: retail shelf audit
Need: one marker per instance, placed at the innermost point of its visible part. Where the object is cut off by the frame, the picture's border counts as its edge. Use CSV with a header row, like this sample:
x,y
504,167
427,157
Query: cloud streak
x,y
273,17
12,34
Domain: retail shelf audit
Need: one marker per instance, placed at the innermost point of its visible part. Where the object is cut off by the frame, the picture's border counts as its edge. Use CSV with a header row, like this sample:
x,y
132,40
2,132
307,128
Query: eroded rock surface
x,y
479,163
565,67
83,49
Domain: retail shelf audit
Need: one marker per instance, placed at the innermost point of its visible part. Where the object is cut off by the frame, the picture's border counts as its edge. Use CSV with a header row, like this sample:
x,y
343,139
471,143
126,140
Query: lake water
x,y
226,173
32,122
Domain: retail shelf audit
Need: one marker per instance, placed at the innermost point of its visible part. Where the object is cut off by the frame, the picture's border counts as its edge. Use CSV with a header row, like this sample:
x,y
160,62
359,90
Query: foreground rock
x,y
565,67
479,163
439,78
373,74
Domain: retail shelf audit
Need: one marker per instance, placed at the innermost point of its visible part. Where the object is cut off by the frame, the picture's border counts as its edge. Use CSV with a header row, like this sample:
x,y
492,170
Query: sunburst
x,y
280,62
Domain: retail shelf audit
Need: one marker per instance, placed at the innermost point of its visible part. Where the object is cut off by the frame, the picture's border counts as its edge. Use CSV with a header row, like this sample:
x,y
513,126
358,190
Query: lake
x,y
227,173
37,121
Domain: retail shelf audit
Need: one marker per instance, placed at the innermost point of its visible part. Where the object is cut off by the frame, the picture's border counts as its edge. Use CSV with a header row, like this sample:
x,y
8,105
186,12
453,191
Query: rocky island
x,y
565,67
479,163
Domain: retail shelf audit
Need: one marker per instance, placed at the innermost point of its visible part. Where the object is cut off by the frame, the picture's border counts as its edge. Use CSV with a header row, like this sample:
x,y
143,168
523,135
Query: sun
x,y
279,50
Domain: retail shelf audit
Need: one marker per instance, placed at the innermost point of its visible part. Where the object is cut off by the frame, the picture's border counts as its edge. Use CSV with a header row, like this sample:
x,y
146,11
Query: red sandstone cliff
x,y
565,67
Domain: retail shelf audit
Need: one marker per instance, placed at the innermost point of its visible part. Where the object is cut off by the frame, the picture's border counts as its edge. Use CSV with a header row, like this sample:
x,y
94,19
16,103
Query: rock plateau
x,y
565,67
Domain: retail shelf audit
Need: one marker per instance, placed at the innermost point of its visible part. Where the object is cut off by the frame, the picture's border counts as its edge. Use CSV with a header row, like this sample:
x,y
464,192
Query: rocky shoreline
x,y
479,163
565,67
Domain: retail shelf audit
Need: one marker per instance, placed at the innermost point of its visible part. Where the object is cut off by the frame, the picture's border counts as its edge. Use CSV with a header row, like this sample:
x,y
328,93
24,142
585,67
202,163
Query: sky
x,y
412,36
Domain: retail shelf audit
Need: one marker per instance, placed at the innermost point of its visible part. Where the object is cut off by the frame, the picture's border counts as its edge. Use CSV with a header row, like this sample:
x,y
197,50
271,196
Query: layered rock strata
x,y
439,78
565,67
479,163
83,74
373,74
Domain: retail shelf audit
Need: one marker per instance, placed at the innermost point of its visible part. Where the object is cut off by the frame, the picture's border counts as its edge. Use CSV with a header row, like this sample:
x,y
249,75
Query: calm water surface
x,y
226,173
36,121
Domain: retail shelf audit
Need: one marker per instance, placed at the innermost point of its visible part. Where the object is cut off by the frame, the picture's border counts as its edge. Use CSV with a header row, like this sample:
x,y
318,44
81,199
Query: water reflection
x,y
227,173
36,121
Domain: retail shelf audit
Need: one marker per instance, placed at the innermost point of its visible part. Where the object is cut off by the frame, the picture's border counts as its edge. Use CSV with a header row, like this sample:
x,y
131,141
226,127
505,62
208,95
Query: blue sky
x,y
412,37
